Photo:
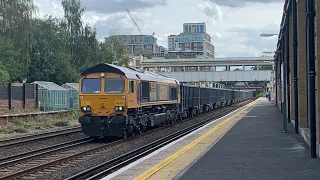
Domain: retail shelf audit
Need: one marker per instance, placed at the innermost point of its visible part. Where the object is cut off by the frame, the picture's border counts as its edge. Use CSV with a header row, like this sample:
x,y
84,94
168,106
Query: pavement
x,y
256,148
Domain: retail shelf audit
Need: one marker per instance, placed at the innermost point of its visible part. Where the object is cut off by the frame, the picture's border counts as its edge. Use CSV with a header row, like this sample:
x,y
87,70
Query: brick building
x,y
296,69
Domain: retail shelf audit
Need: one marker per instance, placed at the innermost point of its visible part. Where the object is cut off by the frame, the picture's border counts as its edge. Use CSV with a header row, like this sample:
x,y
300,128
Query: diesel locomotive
x,y
117,101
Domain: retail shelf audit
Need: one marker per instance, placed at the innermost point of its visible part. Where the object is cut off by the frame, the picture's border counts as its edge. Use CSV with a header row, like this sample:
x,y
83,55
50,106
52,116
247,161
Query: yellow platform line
x,y
168,160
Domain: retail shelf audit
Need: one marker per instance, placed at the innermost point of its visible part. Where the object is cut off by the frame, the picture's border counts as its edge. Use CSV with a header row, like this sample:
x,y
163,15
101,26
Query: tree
x,y
50,49
106,53
8,59
72,14
51,61
265,67
118,51
5,77
15,23
83,44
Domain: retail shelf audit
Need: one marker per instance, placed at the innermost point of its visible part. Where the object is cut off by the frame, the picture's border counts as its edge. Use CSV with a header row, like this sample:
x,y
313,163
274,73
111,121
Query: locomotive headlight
x,y
85,108
119,108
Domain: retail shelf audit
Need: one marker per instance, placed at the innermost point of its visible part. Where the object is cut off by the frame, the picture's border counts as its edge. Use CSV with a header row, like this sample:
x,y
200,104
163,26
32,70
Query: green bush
x,y
20,130
61,123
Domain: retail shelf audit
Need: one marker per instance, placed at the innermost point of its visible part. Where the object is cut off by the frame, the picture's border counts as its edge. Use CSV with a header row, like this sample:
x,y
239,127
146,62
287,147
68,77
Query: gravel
x,y
67,170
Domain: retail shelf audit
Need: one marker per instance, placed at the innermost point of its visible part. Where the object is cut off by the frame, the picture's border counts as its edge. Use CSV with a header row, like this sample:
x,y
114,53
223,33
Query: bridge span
x,y
218,76
214,69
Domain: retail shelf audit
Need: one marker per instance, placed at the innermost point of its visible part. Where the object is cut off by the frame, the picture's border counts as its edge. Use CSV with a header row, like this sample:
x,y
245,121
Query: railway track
x,y
38,136
66,154
38,152
108,167
26,162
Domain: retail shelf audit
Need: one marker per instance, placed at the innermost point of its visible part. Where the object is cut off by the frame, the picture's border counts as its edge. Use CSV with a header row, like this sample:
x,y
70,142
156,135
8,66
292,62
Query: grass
x,y
40,122
9,112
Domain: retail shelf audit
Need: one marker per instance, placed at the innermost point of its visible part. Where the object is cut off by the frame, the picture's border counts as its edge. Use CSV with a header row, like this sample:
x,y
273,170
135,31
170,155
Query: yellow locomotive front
x,y
103,102
103,94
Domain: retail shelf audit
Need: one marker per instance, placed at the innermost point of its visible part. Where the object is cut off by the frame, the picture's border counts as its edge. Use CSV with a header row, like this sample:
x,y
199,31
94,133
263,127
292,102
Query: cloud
x,y
234,31
242,3
49,7
212,10
245,41
114,22
112,6
120,23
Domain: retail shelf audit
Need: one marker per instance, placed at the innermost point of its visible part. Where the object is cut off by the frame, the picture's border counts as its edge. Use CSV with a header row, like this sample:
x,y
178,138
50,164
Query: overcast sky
x,y
234,25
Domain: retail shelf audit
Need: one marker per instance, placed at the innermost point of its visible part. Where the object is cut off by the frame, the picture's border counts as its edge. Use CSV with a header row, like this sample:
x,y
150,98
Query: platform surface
x,y
246,144
256,148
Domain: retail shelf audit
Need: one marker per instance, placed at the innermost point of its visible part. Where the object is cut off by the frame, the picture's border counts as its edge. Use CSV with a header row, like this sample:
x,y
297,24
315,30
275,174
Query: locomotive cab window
x,y
90,85
114,85
131,87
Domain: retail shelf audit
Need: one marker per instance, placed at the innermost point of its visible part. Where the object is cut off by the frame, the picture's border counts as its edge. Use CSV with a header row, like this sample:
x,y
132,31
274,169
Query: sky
x,y
234,25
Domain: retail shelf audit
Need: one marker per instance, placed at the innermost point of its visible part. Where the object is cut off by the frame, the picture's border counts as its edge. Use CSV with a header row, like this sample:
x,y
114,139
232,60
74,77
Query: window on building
x,y
193,28
202,28
221,68
236,68
186,28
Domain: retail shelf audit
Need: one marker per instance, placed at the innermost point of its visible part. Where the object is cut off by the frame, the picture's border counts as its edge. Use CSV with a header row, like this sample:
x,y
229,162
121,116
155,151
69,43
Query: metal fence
x,y
47,96
51,96
73,94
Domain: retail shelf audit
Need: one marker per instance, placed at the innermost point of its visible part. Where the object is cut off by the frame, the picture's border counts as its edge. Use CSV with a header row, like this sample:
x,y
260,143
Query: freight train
x,y
116,101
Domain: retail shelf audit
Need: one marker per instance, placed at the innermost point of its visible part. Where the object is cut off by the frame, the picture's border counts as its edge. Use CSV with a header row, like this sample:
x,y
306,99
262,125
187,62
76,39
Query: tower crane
x,y
137,26
135,23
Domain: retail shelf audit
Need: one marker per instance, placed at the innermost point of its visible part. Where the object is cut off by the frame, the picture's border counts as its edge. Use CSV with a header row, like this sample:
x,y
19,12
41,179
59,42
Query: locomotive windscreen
x,y
90,85
114,85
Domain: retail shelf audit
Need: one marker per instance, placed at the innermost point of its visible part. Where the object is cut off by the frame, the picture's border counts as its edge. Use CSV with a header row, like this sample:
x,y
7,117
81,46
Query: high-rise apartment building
x,y
139,44
194,39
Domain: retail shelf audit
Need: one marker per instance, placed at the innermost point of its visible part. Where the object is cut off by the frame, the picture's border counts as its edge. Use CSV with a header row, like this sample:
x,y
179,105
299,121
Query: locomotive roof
x,y
130,73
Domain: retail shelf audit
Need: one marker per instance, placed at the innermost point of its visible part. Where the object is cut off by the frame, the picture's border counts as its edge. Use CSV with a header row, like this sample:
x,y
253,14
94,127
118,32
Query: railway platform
x,y
245,144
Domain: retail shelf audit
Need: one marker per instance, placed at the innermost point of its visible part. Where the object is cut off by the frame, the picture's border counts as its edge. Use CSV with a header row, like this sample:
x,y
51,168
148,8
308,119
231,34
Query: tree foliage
x,y
5,77
49,48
